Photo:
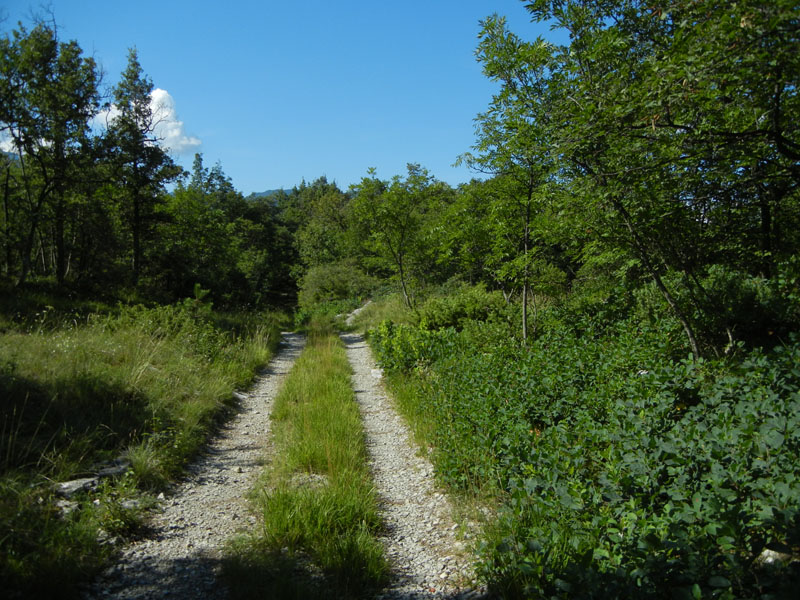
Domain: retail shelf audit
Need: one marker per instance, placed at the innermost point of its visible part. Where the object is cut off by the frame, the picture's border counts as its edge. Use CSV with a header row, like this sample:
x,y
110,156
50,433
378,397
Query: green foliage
x,y
334,281
48,554
91,204
146,384
622,474
394,221
681,484
48,95
406,347
389,307
471,303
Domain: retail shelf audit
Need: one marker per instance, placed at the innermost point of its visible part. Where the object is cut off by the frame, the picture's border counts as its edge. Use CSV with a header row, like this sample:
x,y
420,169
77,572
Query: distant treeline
x,y
659,157
95,207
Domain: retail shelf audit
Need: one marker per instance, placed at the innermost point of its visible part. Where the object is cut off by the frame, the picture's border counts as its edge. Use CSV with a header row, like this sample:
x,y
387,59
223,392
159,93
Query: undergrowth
x,y
319,508
81,389
623,468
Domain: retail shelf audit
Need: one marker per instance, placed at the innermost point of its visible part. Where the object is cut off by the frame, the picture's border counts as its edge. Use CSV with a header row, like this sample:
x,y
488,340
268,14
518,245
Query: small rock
x,y
771,557
68,489
116,468
66,506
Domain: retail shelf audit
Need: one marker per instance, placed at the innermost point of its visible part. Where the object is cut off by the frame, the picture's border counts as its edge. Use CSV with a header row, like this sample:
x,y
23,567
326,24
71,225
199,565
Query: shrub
x,y
623,473
470,303
342,280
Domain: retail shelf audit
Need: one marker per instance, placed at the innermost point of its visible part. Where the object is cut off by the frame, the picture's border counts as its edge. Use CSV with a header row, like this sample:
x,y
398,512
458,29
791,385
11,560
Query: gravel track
x,y
428,560
180,557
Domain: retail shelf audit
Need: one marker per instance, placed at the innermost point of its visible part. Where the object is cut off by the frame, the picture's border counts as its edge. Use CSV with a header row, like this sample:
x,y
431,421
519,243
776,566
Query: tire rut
x,y
427,559
181,556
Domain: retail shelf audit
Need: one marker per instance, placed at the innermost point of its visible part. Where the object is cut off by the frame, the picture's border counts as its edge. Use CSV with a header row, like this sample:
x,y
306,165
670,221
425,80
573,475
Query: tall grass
x,y
318,504
144,384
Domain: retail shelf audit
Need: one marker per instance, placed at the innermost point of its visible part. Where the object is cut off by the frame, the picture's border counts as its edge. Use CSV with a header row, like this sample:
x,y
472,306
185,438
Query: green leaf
x,y
717,581
600,553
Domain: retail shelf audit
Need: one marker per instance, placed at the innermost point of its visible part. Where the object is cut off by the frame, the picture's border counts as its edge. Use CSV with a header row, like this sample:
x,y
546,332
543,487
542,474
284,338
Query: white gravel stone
x,y
420,530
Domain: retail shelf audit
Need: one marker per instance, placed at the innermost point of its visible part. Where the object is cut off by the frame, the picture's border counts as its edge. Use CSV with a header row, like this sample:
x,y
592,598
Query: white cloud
x,y
104,117
170,130
6,144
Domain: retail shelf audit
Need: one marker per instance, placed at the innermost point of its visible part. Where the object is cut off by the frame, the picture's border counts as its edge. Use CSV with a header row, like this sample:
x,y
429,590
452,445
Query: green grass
x,y
148,385
317,501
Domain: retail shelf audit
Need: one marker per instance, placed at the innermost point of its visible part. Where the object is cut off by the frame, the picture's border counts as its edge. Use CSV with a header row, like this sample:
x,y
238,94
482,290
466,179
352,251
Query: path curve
x,y
427,559
181,557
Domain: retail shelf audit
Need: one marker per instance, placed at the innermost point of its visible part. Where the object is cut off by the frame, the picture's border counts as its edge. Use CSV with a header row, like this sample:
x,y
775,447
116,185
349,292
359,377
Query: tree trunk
x,y
403,284
6,193
136,239
644,255
526,269
766,236
60,246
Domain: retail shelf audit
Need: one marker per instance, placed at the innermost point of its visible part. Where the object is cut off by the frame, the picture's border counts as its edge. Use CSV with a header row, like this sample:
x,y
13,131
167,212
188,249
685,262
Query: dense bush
x,y
342,280
470,303
624,474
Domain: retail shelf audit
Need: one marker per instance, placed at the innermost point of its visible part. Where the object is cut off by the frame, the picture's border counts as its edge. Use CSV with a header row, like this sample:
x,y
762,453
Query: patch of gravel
x,y
181,556
428,560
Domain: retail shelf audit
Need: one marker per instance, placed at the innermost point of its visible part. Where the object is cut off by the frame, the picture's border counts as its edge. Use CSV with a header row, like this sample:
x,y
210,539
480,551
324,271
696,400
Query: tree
x,y
49,95
322,234
515,144
466,237
683,122
142,167
390,219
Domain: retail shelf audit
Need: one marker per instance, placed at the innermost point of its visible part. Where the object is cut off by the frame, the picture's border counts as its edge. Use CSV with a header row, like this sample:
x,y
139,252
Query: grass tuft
x,y
319,507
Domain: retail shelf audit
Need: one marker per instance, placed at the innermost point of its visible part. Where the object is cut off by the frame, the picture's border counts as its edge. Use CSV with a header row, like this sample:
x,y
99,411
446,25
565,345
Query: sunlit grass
x,y
317,500
390,307
146,385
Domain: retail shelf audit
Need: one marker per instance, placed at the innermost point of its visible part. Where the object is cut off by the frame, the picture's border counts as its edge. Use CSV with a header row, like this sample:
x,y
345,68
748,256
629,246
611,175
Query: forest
x,y
597,336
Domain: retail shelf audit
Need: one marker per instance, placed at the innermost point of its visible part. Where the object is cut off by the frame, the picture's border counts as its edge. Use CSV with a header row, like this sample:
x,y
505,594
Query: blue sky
x,y
281,91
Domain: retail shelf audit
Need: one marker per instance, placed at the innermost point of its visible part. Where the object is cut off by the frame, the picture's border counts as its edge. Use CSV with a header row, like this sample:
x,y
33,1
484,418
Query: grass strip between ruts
x,y
317,500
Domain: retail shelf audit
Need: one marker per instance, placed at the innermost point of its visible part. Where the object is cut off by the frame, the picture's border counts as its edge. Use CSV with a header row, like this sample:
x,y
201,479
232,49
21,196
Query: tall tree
x,y
515,142
49,95
678,130
391,218
142,166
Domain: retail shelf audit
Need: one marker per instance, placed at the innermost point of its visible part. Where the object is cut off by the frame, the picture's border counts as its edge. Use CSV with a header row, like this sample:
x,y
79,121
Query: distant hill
x,y
266,194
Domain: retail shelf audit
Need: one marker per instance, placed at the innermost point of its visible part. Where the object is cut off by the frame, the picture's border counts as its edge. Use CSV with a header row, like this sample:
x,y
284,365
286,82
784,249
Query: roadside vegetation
x,y
623,468
133,387
599,337
317,504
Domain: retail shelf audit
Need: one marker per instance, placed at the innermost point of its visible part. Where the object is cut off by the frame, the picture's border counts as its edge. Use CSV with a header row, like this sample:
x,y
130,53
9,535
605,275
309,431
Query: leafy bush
x,y
404,347
390,306
674,492
470,303
342,280
624,474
